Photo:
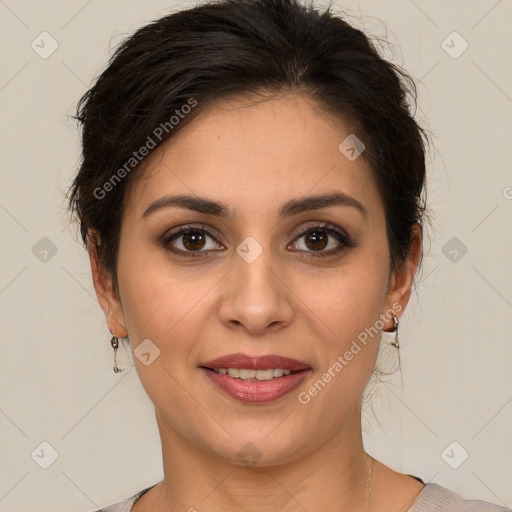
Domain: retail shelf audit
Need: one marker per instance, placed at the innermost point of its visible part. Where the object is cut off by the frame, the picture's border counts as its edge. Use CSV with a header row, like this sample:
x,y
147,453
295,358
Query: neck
x,y
333,476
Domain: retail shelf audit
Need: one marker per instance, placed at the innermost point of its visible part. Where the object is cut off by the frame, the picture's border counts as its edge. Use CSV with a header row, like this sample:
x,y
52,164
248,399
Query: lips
x,y
253,390
264,362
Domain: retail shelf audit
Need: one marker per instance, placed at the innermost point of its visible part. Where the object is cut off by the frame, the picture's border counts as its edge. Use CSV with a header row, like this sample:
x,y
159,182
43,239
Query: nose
x,y
255,296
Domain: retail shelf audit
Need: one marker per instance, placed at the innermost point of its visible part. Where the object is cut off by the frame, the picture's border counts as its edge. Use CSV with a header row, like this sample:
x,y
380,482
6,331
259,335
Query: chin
x,y
260,449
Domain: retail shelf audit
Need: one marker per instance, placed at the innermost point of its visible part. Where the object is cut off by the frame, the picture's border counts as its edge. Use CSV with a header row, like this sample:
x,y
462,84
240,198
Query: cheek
x,y
345,309
164,303
347,299
347,353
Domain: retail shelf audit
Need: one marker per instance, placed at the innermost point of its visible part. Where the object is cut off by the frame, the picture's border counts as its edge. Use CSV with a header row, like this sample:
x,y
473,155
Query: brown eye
x,y
190,241
193,240
316,240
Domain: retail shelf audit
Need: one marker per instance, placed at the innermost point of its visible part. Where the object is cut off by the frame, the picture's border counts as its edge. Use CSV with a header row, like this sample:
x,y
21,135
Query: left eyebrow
x,y
291,207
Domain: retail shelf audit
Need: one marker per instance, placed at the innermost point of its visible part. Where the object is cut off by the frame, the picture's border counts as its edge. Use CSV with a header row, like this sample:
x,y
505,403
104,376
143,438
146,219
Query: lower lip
x,y
258,391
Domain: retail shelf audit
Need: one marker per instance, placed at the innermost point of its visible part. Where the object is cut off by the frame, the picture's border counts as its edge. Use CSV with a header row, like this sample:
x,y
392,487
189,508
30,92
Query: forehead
x,y
255,157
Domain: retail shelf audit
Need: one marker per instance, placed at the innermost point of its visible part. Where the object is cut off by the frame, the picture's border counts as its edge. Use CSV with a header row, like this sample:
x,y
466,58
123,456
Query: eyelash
x,y
342,237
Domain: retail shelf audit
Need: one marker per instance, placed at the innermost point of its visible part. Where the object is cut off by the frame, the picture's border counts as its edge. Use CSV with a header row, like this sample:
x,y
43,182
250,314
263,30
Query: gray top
x,y
432,498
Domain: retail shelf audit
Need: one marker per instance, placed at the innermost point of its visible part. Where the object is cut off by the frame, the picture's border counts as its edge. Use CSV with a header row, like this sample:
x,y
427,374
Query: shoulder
x,y
127,504
435,498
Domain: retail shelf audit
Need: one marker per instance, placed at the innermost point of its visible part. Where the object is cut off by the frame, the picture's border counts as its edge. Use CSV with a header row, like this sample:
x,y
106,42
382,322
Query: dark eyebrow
x,y
292,207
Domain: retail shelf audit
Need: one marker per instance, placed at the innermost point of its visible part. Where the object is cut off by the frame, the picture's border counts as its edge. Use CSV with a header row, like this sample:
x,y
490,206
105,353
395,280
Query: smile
x,y
247,374
255,379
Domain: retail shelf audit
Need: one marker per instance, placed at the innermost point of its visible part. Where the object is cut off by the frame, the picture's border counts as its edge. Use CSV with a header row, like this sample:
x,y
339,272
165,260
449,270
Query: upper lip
x,y
262,362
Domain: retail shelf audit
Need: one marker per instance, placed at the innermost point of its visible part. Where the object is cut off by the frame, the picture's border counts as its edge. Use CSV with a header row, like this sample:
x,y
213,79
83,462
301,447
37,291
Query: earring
x,y
115,345
395,342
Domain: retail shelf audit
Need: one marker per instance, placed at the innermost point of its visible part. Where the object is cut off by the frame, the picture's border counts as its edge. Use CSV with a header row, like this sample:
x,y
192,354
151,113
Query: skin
x,y
286,302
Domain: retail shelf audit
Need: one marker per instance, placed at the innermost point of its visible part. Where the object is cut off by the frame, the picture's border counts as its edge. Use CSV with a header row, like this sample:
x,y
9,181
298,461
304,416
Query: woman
x,y
252,199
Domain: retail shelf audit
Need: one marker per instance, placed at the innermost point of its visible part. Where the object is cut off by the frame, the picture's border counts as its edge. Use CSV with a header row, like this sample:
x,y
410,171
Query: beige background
x,y
56,366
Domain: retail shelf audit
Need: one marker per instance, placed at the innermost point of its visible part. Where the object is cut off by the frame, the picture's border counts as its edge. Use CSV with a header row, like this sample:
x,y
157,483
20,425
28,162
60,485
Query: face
x,y
267,278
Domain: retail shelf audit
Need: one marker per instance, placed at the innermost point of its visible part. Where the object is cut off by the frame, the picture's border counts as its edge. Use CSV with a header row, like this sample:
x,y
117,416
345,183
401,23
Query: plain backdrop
x,y
450,406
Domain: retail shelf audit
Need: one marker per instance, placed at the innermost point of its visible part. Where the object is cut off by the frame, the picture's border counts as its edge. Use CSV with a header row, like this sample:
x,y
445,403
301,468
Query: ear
x,y
109,301
402,280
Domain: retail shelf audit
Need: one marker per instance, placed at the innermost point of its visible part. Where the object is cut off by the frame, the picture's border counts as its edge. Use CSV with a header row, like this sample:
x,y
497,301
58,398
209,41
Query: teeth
x,y
244,373
263,374
247,374
234,372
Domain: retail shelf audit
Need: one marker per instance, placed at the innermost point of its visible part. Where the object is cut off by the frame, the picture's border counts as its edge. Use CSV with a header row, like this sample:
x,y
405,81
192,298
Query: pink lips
x,y
254,391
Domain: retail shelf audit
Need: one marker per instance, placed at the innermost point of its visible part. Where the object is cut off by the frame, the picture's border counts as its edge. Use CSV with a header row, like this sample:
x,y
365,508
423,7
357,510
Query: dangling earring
x,y
115,345
395,342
